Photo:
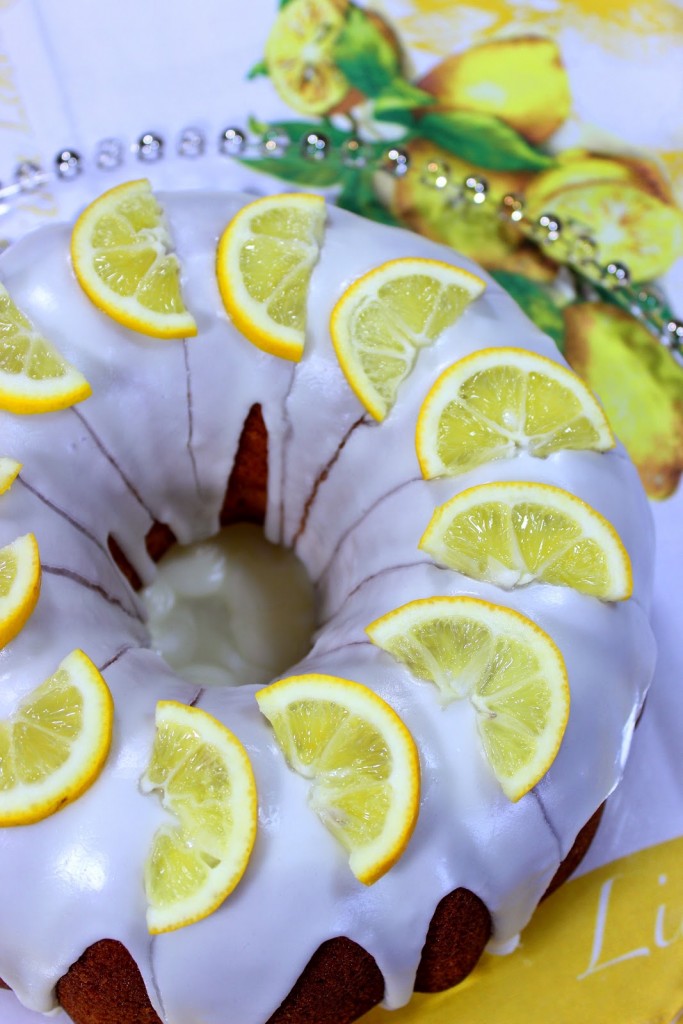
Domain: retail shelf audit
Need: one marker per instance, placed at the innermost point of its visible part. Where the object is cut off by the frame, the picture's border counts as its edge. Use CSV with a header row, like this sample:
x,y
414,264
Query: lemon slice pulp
x,y
384,318
513,533
205,779
121,255
360,758
55,745
34,376
508,668
265,259
493,403
19,585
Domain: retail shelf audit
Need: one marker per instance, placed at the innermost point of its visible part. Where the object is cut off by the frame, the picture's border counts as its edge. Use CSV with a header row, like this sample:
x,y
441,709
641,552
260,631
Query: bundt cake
x,y
177,438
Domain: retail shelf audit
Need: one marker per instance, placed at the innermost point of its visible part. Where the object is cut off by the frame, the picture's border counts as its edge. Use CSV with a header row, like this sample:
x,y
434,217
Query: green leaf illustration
x,y
399,98
365,57
259,69
359,197
297,169
536,302
482,140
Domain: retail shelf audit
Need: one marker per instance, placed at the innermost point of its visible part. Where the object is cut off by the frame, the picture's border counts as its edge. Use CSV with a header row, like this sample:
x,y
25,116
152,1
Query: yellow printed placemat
x,y
604,948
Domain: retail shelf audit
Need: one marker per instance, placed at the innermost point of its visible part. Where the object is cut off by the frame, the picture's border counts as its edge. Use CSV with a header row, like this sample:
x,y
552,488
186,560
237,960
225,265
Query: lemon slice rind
x,y
29,392
368,860
22,803
248,313
22,559
491,625
501,441
400,341
9,471
476,557
221,862
128,309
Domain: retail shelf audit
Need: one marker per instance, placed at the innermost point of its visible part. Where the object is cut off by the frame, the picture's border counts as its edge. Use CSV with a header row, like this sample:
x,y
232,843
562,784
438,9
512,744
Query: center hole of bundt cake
x,y
231,610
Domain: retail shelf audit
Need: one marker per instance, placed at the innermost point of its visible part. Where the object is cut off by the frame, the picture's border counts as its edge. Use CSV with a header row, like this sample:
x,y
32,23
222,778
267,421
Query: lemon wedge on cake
x,y
513,533
54,746
19,585
491,404
264,263
386,316
121,252
205,779
360,758
505,665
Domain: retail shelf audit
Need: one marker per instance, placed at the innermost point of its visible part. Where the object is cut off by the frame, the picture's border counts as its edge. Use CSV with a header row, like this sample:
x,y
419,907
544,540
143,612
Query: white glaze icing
x,y
157,440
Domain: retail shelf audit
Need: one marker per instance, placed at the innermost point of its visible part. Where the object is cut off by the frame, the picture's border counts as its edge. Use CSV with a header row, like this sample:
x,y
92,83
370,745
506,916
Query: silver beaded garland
x,y
549,227
617,275
109,154
397,161
29,176
315,146
353,153
191,143
232,141
68,164
674,335
475,189
150,147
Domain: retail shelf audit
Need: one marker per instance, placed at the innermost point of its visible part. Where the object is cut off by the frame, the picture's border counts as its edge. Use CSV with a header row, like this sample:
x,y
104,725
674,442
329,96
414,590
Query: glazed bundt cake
x,y
179,437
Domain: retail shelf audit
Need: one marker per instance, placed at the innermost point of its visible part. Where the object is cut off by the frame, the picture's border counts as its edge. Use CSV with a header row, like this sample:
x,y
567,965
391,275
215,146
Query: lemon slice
x,y
513,533
300,55
34,377
9,471
121,255
205,779
19,585
384,317
55,745
499,400
361,759
509,669
264,264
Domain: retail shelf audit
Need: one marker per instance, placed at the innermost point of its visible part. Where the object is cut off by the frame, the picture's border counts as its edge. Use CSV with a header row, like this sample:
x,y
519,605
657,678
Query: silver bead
x,y
191,143
29,176
549,227
232,141
616,275
475,189
353,153
512,207
273,143
436,174
397,161
315,146
68,164
150,147
109,154
674,334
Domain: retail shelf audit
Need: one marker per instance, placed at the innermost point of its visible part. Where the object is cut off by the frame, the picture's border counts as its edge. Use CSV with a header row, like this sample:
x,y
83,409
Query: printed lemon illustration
x,y
639,384
475,231
300,55
522,81
626,205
